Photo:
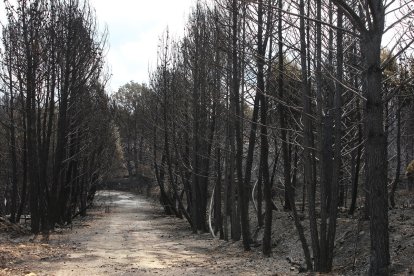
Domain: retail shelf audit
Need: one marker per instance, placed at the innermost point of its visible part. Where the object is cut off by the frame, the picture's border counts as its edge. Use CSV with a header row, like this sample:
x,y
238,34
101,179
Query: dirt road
x,y
133,237
125,234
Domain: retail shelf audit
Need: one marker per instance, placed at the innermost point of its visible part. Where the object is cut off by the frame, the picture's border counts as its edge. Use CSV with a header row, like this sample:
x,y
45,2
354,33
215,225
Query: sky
x,y
135,27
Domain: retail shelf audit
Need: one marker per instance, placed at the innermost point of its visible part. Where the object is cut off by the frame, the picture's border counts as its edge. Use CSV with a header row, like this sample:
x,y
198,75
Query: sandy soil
x,y
129,235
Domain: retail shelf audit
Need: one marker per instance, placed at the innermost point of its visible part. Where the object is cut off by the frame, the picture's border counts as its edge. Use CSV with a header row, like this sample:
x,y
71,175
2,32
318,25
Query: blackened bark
x,y
218,220
334,196
398,166
243,196
264,155
308,164
298,225
283,114
264,162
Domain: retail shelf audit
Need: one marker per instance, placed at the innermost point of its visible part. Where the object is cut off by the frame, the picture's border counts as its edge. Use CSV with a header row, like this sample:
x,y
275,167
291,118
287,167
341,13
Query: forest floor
x,y
127,234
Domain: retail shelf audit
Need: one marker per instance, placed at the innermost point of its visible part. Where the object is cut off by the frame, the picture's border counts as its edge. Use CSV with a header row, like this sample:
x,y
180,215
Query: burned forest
x,y
282,131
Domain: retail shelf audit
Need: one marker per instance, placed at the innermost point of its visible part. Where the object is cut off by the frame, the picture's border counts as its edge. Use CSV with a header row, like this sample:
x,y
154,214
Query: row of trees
x,y
57,134
265,96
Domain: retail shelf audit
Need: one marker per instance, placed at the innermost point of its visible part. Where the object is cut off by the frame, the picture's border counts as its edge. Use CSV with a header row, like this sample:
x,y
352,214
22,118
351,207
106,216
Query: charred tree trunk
x,y
398,167
218,220
309,169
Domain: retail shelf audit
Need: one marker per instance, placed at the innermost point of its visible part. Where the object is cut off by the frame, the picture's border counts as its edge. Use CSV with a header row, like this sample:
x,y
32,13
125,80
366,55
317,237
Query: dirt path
x,y
125,234
134,238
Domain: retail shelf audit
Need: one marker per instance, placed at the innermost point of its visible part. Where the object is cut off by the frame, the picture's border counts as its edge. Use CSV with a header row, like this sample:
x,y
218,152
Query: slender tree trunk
x,y
398,166
376,145
309,169
24,159
298,225
283,114
227,181
264,151
243,196
333,206
264,162
218,221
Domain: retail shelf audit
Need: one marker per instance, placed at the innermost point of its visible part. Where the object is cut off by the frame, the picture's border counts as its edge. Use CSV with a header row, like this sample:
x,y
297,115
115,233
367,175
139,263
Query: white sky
x,y
135,27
